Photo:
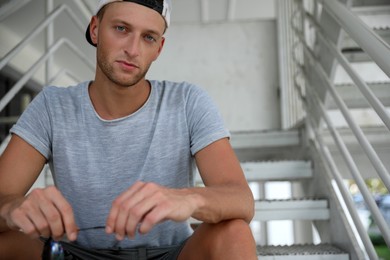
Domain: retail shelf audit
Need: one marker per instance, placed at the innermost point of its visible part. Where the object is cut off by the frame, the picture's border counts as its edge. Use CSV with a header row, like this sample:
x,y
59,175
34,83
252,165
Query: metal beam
x,y
9,7
205,11
231,11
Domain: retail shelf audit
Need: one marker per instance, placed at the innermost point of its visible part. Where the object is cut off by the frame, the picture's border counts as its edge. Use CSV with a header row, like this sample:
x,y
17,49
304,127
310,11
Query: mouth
x,y
127,65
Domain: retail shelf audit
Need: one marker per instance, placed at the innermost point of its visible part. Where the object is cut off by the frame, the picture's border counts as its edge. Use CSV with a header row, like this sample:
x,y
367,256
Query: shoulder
x,y
53,91
183,89
55,95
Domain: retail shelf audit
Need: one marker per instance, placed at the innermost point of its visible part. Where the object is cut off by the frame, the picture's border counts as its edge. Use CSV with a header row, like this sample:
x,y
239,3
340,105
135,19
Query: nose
x,y
133,45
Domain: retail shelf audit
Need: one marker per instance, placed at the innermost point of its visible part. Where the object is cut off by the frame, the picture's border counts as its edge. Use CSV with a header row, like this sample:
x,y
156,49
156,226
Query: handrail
x,y
19,85
334,170
345,194
367,147
366,38
379,219
366,91
38,29
9,8
63,72
376,48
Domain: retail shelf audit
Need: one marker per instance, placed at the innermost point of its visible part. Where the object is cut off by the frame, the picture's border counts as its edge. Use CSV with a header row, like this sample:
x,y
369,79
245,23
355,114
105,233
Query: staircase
x,y
276,157
340,51
335,99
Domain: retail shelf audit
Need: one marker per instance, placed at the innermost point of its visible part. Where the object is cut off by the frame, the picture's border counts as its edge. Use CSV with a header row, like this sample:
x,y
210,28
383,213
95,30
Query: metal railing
x,y
49,53
306,60
46,56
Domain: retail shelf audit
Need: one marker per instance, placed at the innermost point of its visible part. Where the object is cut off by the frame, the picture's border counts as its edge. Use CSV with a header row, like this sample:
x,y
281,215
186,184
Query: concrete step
x,y
376,14
379,138
245,140
354,99
354,53
368,3
301,252
277,170
291,209
267,145
273,171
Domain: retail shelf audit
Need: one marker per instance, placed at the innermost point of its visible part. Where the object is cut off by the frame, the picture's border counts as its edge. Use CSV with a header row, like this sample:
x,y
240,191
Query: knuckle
x,y
67,209
135,212
116,203
150,219
123,207
151,185
51,189
52,216
36,192
43,227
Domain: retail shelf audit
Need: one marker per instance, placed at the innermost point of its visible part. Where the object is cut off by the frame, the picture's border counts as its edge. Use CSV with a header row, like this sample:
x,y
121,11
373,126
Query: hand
x,y
44,212
145,205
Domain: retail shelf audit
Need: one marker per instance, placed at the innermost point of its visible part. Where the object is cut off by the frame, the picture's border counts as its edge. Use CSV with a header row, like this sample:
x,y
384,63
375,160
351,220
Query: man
x,y
122,149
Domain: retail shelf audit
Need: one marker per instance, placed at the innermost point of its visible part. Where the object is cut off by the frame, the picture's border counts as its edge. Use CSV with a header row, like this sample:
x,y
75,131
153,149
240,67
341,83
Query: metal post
x,y
49,42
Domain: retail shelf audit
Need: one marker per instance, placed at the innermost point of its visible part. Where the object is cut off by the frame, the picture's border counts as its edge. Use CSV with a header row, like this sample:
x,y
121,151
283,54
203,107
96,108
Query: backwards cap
x,y
163,7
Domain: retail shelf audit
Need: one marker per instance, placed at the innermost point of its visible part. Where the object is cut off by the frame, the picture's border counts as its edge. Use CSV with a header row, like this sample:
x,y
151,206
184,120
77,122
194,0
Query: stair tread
x,y
307,249
291,209
273,170
256,139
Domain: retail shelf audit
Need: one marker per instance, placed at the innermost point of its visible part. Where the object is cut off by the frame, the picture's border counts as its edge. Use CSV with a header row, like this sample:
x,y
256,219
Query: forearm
x,y
217,203
5,202
3,226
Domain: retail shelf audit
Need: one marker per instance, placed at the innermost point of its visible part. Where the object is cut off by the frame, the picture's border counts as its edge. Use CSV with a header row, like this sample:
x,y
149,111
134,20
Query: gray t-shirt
x,y
94,160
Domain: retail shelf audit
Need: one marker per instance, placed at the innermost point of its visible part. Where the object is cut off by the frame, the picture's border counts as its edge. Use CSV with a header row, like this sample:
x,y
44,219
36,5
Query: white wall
x,y
235,62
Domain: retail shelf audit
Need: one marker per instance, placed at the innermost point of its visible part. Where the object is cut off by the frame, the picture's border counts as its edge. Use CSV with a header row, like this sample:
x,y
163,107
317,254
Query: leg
x,y
15,245
230,239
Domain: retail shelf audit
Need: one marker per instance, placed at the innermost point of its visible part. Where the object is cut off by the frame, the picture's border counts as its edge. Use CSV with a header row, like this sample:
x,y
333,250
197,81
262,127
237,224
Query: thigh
x,y
230,239
15,245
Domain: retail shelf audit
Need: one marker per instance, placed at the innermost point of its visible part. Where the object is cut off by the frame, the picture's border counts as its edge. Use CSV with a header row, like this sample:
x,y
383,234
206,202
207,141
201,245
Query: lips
x,y
127,65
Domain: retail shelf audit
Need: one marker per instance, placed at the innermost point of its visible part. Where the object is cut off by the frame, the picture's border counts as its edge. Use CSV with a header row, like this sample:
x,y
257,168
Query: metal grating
x,y
296,250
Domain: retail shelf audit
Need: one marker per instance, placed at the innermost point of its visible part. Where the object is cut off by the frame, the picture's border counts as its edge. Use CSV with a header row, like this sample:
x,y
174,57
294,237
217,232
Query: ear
x,y
93,29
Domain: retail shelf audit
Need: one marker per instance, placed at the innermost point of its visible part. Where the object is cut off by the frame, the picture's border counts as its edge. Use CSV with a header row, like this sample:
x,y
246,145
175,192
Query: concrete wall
x,y
236,63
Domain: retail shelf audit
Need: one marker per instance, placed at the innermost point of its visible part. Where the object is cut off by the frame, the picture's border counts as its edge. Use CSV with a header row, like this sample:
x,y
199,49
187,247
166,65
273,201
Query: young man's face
x,y
129,38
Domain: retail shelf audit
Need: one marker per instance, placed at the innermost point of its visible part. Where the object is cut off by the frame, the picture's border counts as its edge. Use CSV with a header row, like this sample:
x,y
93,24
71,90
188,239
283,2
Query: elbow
x,y
250,210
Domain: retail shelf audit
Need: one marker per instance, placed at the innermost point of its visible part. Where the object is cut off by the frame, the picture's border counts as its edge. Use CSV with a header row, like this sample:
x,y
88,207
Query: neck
x,y
112,101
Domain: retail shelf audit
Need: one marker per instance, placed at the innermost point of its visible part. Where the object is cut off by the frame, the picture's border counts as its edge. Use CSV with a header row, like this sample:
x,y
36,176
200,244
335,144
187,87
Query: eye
x,y
120,28
150,38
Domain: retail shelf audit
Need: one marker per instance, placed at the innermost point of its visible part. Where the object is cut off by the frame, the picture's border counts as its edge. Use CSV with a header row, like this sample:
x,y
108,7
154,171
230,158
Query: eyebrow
x,y
150,31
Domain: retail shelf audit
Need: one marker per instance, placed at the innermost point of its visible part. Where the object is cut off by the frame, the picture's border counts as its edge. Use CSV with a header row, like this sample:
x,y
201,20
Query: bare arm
x,y
43,211
227,194
20,166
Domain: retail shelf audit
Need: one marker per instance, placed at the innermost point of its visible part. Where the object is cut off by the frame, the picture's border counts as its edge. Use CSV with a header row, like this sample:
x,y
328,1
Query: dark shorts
x,y
75,252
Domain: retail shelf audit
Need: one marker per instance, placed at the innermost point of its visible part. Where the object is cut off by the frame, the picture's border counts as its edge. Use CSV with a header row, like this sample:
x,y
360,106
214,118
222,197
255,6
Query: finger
x,y
127,211
53,218
40,222
118,206
24,223
37,224
65,211
138,214
152,218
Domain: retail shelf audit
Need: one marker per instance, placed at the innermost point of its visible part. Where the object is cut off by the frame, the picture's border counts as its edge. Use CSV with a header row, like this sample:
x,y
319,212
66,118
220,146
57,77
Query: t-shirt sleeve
x,y
34,125
204,120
